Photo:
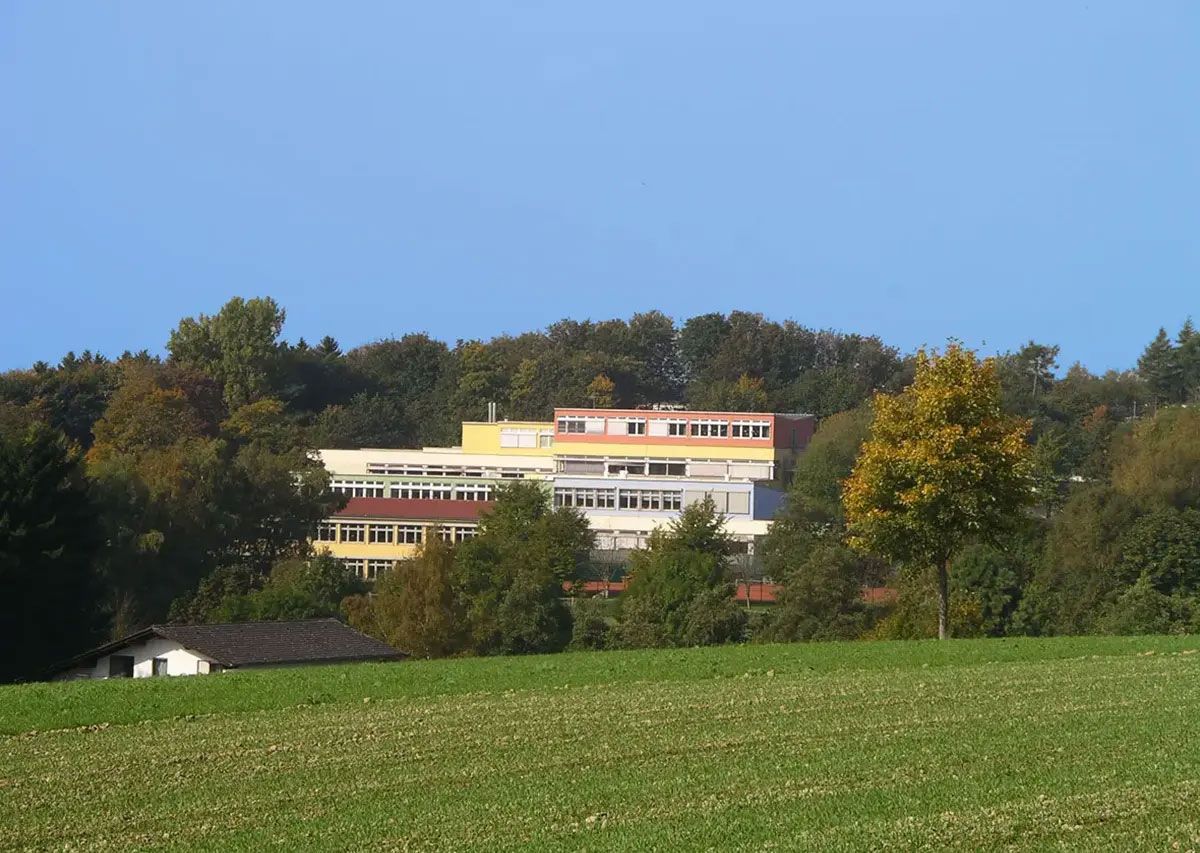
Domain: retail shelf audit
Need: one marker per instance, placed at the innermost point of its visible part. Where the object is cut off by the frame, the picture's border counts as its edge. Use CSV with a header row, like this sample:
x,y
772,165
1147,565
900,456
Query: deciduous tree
x,y
943,464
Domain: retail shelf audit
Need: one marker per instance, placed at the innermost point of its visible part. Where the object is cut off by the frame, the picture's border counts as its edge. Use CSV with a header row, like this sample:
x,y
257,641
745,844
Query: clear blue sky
x,y
991,171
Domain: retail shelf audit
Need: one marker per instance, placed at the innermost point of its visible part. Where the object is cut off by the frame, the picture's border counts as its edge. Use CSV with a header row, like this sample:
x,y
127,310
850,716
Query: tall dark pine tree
x,y
1159,368
1188,357
48,540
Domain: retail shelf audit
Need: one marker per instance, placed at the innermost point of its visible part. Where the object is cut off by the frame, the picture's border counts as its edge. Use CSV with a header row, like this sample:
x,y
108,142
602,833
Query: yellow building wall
x,y
482,437
369,550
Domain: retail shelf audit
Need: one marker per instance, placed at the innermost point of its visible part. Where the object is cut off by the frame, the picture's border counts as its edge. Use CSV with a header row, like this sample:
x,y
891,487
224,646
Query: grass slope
x,y
1086,743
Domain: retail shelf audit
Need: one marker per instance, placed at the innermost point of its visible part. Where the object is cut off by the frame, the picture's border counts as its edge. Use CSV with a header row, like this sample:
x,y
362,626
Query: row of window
x,y
423,491
623,540
121,666
670,427
514,437
387,534
748,470
368,569
631,499
411,469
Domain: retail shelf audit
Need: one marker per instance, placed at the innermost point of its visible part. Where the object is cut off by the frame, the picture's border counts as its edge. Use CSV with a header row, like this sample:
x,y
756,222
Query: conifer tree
x,y
1159,369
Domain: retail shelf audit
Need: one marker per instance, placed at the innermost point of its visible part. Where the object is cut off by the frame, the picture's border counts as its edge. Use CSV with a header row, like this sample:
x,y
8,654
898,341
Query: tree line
x,y
142,488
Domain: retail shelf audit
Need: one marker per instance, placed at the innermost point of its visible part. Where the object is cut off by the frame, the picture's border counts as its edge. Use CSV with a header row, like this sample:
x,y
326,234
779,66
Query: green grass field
x,y
1090,743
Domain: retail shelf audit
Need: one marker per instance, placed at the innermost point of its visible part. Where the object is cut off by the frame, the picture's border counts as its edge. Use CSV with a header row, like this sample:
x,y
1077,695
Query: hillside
x,y
1088,743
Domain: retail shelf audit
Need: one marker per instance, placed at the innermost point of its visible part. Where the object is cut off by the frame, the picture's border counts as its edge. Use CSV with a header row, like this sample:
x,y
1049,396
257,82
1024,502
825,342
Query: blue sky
x,y
993,171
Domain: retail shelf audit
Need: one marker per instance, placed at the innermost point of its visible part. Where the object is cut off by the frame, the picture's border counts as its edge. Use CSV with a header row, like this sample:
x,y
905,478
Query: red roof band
x,y
414,509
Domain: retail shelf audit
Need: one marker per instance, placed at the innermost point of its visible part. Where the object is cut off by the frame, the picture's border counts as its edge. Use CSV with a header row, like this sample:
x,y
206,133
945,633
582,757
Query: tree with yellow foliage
x,y
943,464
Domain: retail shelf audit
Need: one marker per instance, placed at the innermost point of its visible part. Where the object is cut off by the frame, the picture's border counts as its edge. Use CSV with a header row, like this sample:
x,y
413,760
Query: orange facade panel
x,y
682,428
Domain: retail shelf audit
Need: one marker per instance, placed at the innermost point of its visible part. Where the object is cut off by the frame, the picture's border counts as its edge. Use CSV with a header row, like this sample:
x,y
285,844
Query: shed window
x,y
158,666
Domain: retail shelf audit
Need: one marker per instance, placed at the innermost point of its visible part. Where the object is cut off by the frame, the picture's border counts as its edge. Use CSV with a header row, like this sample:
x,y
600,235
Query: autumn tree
x,y
416,607
183,495
943,464
1158,460
600,392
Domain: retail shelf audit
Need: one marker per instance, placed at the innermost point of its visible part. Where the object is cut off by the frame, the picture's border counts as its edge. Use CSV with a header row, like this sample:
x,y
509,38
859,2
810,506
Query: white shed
x,y
204,649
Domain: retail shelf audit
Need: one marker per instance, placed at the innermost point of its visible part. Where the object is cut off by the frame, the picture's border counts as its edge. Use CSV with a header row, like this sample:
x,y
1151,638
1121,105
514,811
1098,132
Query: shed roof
x,y
259,643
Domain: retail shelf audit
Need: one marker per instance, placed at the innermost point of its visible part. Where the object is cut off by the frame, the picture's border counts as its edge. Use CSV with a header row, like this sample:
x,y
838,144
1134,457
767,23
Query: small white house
x,y
204,649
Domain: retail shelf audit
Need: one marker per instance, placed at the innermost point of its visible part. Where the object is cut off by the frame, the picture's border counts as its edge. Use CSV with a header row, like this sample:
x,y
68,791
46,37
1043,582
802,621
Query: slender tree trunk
x,y
943,582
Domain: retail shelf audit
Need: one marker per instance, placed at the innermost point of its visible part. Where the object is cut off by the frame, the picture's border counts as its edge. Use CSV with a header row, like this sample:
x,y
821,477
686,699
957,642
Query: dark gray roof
x,y
258,643
251,643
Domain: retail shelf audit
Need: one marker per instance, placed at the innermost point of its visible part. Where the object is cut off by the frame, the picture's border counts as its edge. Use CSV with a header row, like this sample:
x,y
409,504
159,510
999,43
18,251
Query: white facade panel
x,y
746,471
739,503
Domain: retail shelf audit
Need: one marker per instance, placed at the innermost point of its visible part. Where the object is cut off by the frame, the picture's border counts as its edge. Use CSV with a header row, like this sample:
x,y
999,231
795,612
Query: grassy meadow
x,y
1073,743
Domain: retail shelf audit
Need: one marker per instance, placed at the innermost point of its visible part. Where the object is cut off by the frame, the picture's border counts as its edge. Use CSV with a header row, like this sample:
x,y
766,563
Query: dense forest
x,y
146,487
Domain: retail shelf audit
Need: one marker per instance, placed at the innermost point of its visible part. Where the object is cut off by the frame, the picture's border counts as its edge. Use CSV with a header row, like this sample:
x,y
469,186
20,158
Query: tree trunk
x,y
943,582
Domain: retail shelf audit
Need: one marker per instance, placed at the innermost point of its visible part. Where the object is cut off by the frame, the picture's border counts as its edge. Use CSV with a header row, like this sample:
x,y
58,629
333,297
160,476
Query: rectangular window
x,y
635,427
668,469
751,429
512,437
710,429
409,534
571,425
584,498
326,532
650,500
354,567
381,533
678,428
545,439
456,534
619,468
375,568
120,666
472,493
581,466
158,666
354,532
